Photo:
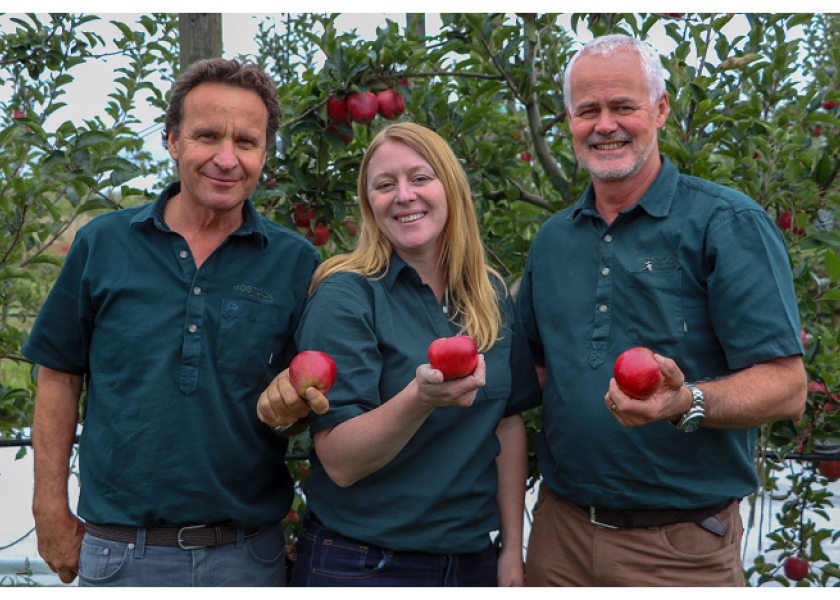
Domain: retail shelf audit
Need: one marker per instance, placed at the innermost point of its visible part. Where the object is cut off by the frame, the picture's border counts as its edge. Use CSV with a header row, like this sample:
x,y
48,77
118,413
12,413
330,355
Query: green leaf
x,y
832,266
46,258
14,273
92,138
833,294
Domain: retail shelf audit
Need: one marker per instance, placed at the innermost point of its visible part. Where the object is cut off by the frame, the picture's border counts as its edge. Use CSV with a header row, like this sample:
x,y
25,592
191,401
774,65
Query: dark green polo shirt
x,y
176,359
695,272
438,495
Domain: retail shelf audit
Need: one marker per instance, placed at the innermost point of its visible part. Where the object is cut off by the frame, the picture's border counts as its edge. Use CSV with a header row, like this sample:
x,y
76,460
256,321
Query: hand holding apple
x,y
282,404
432,390
669,400
312,369
637,373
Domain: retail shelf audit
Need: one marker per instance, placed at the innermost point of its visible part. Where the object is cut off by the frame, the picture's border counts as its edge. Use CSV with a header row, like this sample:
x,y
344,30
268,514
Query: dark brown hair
x,y
245,75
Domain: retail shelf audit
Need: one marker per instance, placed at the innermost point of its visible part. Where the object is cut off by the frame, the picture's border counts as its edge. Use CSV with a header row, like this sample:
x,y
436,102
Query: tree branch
x,y
497,259
532,110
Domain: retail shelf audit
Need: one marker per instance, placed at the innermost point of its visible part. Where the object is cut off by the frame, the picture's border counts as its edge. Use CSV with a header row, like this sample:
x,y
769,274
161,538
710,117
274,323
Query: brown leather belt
x,y
189,537
641,518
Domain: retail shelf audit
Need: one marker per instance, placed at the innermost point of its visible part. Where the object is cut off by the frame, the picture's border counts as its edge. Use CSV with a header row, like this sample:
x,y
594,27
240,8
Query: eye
x,y
384,185
624,110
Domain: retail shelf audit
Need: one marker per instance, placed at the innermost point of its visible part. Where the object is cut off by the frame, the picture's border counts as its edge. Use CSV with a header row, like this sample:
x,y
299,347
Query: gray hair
x,y
608,45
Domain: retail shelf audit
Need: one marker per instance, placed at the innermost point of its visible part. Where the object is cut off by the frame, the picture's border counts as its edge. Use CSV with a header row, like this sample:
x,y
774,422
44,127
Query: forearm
x,y
364,444
53,430
512,464
765,392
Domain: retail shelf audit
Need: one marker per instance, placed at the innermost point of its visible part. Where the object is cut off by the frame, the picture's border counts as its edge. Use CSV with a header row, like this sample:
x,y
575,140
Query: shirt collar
x,y
395,266
656,201
251,222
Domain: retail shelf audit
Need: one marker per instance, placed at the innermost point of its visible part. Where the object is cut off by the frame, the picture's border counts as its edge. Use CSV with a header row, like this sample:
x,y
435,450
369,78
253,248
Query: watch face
x,y
692,422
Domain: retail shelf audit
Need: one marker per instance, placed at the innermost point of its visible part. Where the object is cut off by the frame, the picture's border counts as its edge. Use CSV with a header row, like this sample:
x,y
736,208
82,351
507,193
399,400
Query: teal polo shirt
x,y
176,358
695,272
438,495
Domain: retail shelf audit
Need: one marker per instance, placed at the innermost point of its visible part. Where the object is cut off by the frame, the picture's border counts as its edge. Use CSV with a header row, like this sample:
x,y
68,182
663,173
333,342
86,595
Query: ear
x,y
172,146
664,108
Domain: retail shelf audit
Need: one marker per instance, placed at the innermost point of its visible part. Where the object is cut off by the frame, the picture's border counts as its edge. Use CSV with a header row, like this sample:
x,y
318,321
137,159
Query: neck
x,y
611,197
194,221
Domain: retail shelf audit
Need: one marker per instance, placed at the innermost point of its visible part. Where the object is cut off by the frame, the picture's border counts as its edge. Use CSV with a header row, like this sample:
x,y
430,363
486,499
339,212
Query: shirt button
x,y
603,308
197,291
608,238
193,328
605,271
184,254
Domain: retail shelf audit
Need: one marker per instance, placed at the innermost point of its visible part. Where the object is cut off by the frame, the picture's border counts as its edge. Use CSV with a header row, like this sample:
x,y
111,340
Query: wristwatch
x,y
696,415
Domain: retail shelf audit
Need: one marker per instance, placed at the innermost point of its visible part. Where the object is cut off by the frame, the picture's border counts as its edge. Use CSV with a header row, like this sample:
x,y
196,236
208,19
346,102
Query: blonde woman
x,y
412,473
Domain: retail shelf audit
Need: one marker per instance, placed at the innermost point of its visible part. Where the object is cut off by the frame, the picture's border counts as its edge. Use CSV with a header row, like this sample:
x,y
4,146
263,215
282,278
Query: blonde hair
x,y
471,293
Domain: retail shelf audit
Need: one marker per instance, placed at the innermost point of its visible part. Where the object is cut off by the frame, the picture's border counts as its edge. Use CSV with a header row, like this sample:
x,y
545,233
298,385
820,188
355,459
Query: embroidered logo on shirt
x,y
254,292
654,261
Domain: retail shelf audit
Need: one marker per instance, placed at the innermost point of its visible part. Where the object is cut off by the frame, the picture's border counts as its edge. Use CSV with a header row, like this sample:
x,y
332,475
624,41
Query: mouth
x,y
410,218
610,145
222,181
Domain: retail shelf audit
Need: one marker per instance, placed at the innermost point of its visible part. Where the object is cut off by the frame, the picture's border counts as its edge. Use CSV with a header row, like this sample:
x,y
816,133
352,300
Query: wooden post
x,y
200,37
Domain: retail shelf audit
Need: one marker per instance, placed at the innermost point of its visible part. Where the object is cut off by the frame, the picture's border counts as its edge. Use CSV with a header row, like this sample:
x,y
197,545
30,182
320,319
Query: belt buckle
x,y
181,532
595,522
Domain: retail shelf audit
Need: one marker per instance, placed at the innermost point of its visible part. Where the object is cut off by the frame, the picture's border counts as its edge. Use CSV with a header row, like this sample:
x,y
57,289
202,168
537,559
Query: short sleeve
x,y
60,337
525,310
339,320
525,387
752,301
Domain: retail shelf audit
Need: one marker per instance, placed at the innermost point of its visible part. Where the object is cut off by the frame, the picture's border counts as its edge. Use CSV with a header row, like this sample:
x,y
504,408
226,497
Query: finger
x,y
670,371
480,372
317,401
67,575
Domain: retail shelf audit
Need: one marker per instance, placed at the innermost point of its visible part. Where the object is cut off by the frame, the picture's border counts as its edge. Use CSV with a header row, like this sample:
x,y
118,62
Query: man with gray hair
x,y
646,492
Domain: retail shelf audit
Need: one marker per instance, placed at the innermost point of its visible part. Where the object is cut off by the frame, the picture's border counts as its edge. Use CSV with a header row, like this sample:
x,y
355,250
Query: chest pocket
x,y
246,337
654,307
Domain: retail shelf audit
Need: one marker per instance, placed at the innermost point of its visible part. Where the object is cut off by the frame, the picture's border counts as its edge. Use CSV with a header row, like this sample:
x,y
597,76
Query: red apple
x,y
796,568
362,107
804,339
454,356
304,214
829,104
391,104
19,114
351,225
334,129
337,108
817,131
312,369
321,234
271,183
815,386
403,82
830,469
785,220
526,156
637,373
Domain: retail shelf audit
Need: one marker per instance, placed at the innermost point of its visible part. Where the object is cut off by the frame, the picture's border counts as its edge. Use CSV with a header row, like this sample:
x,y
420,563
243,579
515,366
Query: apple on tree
x,y
454,356
637,373
796,568
362,107
830,469
303,215
391,104
312,369
337,108
351,225
526,156
321,235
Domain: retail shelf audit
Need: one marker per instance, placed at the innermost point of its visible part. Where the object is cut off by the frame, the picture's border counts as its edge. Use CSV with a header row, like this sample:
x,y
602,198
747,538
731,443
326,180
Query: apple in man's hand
x,y
637,373
312,369
454,356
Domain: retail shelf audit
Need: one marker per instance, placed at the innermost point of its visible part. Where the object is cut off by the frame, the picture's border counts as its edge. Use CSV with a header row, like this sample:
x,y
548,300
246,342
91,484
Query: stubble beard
x,y
600,168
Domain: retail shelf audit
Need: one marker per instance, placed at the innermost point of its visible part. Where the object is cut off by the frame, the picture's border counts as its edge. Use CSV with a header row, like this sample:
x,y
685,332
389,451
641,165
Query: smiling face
x,y
408,201
221,147
612,119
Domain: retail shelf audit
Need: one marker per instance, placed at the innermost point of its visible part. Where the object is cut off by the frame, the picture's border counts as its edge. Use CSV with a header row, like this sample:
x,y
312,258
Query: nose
x,y
606,123
225,157
405,191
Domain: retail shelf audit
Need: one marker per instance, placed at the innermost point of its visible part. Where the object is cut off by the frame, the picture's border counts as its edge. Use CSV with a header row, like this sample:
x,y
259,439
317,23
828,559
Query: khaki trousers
x,y
565,549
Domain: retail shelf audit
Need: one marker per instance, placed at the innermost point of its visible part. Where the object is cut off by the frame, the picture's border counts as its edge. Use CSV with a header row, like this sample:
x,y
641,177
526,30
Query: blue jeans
x,y
255,561
327,559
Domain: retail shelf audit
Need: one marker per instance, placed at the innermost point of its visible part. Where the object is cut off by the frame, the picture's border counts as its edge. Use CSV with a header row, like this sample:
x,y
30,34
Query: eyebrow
x,y
612,102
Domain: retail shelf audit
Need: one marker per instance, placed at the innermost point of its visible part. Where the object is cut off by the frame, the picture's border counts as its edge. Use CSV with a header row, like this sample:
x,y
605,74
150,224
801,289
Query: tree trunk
x,y
201,37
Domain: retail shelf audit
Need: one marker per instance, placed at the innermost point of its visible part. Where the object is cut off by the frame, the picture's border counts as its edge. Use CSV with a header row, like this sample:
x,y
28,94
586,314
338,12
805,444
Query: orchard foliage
x,y
754,107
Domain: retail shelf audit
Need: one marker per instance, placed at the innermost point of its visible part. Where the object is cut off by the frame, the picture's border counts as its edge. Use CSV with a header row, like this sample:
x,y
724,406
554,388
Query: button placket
x,y
603,300
191,353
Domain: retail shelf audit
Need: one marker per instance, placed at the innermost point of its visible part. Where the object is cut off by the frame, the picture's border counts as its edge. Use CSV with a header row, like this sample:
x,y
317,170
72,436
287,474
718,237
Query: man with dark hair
x,y
177,314
637,492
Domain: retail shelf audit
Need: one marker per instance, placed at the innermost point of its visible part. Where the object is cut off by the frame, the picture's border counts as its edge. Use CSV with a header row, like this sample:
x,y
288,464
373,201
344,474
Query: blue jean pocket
x,y
268,546
101,560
